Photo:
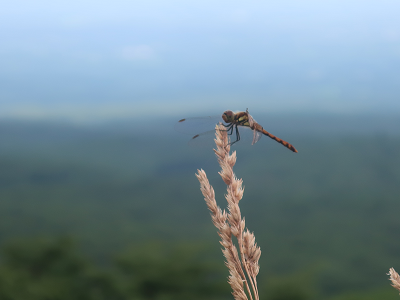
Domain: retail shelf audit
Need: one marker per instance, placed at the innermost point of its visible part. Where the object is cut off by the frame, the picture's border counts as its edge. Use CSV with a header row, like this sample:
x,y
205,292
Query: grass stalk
x,y
243,264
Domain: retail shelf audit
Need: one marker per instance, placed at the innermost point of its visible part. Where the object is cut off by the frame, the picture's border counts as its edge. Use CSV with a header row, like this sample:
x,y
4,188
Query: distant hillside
x,y
331,211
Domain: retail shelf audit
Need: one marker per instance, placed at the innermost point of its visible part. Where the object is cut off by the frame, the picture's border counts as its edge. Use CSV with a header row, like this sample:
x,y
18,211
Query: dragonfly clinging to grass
x,y
232,122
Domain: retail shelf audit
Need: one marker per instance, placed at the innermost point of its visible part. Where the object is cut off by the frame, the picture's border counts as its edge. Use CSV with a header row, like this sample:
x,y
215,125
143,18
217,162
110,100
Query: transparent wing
x,y
256,136
197,126
202,130
204,139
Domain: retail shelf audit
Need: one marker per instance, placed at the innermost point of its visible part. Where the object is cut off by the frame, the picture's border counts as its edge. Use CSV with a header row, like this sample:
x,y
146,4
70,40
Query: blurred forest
x,y
114,211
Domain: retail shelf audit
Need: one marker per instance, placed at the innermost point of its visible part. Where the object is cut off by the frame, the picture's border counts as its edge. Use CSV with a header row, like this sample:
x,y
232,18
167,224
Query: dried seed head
x,y
236,282
394,278
230,223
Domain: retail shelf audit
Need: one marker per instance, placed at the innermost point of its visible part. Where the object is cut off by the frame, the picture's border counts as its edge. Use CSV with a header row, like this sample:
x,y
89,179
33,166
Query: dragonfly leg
x,y
229,128
237,135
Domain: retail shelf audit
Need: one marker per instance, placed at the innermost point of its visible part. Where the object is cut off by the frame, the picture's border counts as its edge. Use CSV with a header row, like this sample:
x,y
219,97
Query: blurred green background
x,y
106,212
98,198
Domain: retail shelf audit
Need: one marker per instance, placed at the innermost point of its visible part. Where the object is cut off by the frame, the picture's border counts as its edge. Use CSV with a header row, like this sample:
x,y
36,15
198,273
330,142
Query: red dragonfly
x,y
233,120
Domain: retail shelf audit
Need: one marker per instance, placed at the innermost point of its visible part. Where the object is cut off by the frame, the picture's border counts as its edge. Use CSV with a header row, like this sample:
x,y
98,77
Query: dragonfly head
x,y
228,116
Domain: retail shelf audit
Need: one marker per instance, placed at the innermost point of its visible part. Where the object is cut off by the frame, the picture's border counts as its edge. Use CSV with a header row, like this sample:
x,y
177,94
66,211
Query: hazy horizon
x,y
102,60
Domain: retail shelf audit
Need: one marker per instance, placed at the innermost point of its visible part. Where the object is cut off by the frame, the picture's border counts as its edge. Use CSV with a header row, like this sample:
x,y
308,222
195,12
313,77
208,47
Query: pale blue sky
x,y
111,59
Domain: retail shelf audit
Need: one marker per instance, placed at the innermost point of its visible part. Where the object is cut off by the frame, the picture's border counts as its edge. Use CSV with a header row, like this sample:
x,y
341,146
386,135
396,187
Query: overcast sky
x,y
107,59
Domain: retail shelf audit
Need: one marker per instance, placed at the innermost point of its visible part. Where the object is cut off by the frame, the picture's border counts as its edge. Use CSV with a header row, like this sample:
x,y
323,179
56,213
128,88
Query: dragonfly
x,y
233,121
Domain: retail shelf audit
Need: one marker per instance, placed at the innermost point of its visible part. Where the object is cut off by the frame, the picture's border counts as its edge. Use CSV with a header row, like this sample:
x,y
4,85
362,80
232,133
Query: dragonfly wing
x,y
256,136
204,139
253,125
195,126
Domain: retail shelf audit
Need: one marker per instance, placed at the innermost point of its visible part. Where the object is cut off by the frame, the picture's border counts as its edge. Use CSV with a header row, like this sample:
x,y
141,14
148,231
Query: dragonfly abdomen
x,y
284,143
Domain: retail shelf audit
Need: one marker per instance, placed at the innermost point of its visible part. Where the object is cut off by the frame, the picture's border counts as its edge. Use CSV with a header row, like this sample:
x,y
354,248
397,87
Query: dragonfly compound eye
x,y
227,116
